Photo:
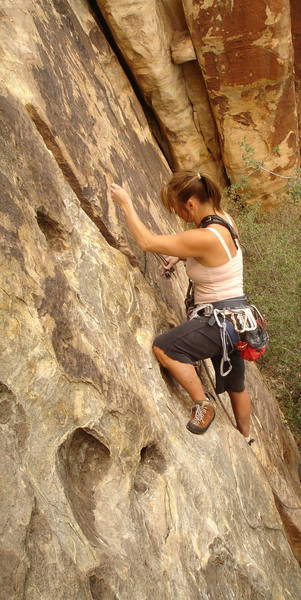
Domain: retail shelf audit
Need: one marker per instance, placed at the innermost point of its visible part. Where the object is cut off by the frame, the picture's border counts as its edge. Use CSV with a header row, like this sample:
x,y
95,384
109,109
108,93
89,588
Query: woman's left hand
x,y
120,195
169,266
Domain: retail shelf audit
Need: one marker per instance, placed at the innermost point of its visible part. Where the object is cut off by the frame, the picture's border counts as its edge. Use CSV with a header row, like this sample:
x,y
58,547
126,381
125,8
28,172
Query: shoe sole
x,y
195,429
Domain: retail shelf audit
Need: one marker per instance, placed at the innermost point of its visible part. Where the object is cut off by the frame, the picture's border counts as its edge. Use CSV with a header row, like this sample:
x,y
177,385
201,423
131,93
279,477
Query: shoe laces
x,y
199,413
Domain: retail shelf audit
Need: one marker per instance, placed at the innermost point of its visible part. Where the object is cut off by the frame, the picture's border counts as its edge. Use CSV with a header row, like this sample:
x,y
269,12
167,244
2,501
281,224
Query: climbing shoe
x,y
202,414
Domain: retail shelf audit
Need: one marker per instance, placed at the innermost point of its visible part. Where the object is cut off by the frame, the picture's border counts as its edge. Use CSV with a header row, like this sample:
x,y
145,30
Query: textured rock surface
x,y
104,493
144,32
246,56
182,49
296,33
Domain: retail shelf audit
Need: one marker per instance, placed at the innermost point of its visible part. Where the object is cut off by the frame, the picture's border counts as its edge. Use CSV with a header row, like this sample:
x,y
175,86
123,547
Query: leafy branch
x,y
240,188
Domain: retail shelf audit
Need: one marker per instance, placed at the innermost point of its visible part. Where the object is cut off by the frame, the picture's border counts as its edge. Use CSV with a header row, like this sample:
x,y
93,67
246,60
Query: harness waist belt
x,y
208,309
231,302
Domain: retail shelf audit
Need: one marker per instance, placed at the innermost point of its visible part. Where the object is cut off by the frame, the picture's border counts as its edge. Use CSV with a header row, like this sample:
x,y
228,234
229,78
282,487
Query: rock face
x,y
144,32
247,59
296,34
104,493
244,85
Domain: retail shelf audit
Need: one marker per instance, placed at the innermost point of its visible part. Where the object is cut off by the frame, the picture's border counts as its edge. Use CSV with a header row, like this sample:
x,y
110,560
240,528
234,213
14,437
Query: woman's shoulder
x,y
225,215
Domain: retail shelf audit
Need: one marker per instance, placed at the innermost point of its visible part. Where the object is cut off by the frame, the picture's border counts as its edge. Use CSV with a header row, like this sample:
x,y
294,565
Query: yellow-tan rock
x,y
143,32
104,493
182,49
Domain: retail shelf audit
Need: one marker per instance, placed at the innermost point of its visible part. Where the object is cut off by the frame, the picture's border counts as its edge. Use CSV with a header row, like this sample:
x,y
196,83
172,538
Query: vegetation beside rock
x,y
272,260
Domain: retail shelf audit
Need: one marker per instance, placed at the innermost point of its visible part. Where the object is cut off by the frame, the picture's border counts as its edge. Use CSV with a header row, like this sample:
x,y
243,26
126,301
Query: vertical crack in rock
x,y
29,545
292,532
70,350
149,114
11,411
83,461
69,175
6,397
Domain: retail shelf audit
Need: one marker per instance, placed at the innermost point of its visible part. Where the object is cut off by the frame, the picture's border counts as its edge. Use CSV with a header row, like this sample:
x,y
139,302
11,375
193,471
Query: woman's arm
x,y
138,230
187,243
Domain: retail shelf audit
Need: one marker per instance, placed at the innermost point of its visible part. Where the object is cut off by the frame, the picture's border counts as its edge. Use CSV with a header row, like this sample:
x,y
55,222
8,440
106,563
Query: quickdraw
x,y
249,326
253,344
243,319
162,260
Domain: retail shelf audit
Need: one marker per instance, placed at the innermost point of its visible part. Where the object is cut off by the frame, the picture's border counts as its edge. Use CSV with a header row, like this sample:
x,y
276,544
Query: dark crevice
x,y
152,463
83,195
150,116
68,173
83,462
292,532
53,232
99,587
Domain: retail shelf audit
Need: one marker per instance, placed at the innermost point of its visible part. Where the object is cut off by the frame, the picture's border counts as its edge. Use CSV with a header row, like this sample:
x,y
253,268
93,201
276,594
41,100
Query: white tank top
x,y
212,284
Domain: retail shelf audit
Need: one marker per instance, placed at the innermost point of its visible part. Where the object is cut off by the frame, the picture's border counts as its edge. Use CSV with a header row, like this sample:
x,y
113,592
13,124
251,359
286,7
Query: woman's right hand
x,y
120,195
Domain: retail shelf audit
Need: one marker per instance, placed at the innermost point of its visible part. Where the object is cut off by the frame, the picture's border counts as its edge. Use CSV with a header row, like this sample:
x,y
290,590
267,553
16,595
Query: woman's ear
x,y
189,203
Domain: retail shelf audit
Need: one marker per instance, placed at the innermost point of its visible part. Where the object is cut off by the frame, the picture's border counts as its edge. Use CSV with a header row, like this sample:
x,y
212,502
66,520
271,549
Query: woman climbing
x,y
214,264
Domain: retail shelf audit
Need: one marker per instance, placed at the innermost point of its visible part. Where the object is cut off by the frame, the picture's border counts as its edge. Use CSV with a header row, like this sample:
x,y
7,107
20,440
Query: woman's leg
x,y
202,412
241,405
184,373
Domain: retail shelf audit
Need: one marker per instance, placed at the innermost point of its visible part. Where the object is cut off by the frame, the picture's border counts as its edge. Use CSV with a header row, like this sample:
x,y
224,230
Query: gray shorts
x,y
196,340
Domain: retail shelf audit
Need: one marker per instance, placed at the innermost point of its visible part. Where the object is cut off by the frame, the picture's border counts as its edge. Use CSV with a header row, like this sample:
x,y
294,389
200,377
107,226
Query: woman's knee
x,y
157,351
238,394
160,355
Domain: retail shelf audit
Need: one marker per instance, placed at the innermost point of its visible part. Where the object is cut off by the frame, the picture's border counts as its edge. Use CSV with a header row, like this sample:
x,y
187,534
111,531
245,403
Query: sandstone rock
x,y
144,32
104,493
246,56
182,49
274,449
296,35
202,113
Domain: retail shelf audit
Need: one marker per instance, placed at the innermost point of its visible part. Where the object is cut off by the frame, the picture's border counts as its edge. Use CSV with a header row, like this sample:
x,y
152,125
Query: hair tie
x,y
199,176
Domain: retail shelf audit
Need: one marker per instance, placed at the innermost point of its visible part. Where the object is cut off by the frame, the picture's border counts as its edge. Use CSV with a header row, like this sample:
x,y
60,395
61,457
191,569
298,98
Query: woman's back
x,y
214,283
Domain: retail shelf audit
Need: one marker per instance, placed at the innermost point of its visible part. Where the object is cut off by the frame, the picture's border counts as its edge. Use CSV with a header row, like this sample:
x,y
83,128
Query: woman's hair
x,y
184,184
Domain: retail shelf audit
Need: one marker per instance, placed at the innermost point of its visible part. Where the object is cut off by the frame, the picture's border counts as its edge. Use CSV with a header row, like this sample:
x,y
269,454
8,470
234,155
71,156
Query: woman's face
x,y
183,212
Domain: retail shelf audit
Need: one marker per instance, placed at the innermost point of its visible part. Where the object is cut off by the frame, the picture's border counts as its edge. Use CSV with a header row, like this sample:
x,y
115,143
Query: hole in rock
x,y
52,231
100,590
152,463
151,456
83,461
7,400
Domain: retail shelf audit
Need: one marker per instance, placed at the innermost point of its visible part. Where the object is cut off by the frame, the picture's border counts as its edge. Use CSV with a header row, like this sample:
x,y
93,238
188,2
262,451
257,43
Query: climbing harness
x,y
189,299
242,328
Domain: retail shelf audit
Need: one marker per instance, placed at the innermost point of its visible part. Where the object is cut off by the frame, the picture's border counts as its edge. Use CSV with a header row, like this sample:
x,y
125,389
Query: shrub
x,y
272,267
